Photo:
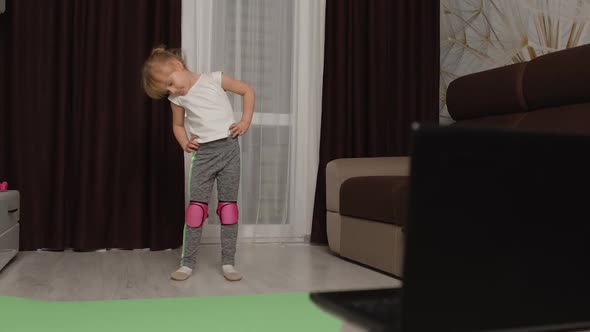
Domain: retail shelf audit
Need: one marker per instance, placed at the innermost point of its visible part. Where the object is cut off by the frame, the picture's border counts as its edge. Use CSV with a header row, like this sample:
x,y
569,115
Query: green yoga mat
x,y
260,313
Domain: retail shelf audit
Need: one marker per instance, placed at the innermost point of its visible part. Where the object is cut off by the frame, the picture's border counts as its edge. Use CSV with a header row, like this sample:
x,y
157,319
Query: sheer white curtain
x,y
277,46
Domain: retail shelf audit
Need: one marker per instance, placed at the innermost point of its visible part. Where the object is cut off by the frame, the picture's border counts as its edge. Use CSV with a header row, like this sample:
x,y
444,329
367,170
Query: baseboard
x,y
297,240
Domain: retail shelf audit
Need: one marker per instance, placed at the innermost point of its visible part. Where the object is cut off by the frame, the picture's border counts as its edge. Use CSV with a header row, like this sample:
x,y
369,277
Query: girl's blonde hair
x,y
159,56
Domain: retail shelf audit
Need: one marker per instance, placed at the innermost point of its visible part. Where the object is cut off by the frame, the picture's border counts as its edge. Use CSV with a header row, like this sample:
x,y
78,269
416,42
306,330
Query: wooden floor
x,y
267,268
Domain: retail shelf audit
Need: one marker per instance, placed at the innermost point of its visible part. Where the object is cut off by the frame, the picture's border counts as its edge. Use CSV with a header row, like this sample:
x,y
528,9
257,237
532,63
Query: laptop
x,y
498,237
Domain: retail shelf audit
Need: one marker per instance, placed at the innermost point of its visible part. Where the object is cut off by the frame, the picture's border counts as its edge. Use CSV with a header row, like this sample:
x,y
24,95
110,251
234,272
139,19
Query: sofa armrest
x,y
339,170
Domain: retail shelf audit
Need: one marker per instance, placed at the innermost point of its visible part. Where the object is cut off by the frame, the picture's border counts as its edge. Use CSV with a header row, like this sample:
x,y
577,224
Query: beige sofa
x,y
366,197
366,210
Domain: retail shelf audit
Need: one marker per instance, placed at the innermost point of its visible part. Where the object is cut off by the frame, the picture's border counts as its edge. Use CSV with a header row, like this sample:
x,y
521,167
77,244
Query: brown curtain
x,y
94,159
381,73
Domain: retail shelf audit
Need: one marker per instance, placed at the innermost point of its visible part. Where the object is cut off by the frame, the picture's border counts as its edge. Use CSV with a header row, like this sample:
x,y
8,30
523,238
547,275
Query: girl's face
x,y
174,78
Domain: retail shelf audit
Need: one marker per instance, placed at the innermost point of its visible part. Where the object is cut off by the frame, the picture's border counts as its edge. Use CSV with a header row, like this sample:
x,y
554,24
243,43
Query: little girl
x,y
210,122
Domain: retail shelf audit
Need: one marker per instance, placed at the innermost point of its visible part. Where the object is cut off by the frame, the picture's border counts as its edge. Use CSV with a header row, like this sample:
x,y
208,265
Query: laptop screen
x,y
499,230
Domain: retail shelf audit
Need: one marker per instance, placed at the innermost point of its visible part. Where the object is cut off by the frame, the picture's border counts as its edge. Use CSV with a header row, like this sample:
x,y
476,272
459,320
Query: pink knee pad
x,y
196,213
228,213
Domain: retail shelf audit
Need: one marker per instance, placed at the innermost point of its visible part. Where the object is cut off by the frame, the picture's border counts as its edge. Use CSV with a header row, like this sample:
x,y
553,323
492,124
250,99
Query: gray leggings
x,y
218,160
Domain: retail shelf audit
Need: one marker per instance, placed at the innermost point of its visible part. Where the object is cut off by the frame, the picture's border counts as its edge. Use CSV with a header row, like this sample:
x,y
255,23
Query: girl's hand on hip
x,y
191,145
239,128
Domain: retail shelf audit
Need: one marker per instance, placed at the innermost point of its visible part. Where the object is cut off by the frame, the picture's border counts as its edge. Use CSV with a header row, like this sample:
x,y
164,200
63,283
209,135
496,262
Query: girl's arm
x,y
248,96
179,131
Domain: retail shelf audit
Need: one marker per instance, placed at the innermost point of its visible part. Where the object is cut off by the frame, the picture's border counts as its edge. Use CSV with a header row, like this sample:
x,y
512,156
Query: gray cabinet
x,y
9,225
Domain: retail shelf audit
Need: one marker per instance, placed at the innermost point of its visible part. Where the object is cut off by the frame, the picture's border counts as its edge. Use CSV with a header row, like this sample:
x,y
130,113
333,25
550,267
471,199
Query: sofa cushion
x,y
566,119
491,92
496,121
558,78
378,198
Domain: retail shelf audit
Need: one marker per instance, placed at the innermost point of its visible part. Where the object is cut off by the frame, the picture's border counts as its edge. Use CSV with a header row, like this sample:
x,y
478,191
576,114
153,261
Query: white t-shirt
x,y
208,111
